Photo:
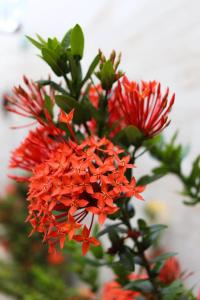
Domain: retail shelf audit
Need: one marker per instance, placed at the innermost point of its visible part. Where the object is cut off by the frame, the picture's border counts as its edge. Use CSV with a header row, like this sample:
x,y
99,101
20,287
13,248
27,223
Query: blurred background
x,y
159,40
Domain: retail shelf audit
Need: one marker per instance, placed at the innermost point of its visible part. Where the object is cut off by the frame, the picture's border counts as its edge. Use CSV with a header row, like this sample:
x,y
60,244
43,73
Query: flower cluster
x,y
77,181
141,105
29,101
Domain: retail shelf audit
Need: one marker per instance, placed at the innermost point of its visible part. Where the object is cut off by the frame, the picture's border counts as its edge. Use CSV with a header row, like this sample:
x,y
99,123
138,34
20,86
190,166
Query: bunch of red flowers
x,y
68,181
71,182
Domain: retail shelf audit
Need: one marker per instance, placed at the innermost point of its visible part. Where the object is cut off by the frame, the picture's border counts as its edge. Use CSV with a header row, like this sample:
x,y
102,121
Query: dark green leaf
x,y
66,39
163,257
34,42
141,285
129,136
127,258
49,56
77,41
108,229
48,104
52,84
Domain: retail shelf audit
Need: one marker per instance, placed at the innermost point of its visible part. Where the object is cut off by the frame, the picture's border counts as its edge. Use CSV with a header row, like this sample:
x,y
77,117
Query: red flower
x,y
29,101
114,291
77,180
86,240
34,149
55,258
171,271
141,105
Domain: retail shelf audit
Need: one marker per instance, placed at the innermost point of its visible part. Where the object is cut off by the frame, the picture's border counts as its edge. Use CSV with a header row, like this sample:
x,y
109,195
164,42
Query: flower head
x,y
141,105
74,182
28,101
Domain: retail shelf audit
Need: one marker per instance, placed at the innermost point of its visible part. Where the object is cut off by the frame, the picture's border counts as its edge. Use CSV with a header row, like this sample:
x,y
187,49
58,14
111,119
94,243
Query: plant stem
x,y
141,254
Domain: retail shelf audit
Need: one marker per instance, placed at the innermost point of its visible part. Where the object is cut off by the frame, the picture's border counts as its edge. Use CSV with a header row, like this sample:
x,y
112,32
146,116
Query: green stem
x,y
141,254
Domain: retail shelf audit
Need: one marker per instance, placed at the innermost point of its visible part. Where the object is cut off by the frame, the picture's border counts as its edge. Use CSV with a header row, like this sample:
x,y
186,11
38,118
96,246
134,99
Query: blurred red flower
x,y
114,291
29,101
171,271
55,258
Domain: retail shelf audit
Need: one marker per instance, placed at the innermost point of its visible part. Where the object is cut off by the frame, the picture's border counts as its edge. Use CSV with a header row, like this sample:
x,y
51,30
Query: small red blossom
x,y
29,101
74,182
171,271
141,105
86,240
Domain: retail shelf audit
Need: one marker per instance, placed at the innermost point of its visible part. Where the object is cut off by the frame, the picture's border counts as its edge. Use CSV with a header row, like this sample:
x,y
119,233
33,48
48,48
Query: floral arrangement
x,y
90,131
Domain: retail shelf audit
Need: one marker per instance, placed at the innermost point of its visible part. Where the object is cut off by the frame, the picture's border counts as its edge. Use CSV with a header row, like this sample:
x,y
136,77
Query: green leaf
x,y
129,136
34,42
49,56
77,41
48,104
141,285
127,258
97,251
67,103
52,84
157,173
108,229
163,257
173,291
91,68
66,39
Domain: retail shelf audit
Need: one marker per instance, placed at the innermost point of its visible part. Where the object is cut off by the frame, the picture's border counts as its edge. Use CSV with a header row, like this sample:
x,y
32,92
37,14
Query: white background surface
x,y
159,40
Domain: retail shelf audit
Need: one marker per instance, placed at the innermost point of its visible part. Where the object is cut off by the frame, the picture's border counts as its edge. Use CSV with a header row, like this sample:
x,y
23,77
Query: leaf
x,y
108,229
52,84
34,42
77,41
141,285
163,257
48,104
129,135
91,68
49,56
171,292
157,173
127,258
66,39
67,103
97,251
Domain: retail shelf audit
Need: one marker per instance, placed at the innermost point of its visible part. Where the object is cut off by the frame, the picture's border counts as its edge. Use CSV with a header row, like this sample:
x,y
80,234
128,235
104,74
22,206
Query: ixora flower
x,y
75,182
141,105
29,101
